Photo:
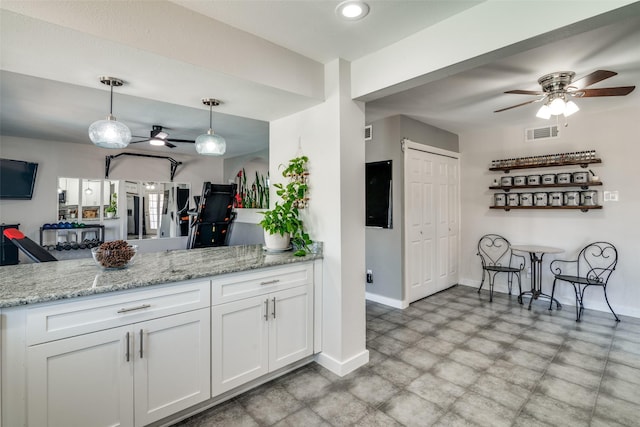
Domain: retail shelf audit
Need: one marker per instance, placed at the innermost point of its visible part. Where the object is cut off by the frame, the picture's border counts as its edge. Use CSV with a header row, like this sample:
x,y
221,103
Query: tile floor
x,y
454,359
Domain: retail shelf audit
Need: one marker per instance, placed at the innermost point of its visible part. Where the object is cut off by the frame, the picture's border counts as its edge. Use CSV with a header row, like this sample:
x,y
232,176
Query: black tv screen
x,y
378,194
17,179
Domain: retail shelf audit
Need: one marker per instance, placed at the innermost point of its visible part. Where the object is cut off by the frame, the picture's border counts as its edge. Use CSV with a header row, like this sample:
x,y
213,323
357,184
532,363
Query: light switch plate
x,y
611,196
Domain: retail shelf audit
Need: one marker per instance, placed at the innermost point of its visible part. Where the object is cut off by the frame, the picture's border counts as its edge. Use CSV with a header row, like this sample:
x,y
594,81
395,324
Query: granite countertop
x,y
35,283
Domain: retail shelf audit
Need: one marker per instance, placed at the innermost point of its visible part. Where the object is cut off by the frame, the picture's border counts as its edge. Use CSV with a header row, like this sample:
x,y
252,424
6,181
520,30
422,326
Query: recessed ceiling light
x,y
352,10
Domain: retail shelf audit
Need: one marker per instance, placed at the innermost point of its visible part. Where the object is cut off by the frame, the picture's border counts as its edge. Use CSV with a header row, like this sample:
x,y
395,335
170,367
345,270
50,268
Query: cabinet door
x,y
172,364
81,381
239,348
290,326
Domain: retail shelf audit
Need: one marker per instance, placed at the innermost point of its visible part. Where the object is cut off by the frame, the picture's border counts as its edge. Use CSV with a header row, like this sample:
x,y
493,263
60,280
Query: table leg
x,y
536,281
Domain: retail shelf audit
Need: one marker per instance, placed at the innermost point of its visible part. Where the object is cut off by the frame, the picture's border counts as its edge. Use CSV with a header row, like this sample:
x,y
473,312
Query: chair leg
x,y
607,300
578,301
519,287
482,282
509,281
491,282
553,291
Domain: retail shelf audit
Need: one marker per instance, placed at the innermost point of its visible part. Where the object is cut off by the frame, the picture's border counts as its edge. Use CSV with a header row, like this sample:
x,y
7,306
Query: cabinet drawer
x,y
69,318
244,285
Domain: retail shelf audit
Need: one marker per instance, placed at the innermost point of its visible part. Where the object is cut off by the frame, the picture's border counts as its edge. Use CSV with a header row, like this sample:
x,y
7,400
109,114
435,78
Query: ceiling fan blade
x,y
180,140
606,91
168,144
595,77
142,140
518,105
525,92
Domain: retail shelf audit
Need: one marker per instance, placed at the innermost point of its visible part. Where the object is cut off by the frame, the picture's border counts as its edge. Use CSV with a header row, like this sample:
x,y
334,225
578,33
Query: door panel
x,y
239,349
81,381
173,371
291,325
432,230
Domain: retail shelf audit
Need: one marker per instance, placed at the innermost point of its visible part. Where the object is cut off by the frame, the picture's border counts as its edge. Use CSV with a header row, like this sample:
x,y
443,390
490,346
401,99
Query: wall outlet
x,y
369,276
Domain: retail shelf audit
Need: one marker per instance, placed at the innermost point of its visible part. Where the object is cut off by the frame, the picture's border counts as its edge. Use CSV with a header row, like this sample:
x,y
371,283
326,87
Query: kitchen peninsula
x,y
174,333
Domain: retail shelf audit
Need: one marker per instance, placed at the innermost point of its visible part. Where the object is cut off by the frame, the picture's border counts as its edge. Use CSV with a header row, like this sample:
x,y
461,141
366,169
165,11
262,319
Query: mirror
x,y
128,209
157,209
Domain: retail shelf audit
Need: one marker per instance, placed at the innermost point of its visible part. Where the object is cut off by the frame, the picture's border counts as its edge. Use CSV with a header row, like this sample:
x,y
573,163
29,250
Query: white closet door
x,y
431,223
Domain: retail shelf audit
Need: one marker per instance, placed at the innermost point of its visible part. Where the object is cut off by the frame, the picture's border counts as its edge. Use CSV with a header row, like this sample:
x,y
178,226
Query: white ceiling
x,y
43,98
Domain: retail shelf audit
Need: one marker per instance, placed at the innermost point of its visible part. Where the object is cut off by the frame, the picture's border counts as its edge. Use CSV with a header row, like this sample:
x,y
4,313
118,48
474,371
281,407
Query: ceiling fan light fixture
x,y
544,112
210,144
110,133
156,141
557,106
570,108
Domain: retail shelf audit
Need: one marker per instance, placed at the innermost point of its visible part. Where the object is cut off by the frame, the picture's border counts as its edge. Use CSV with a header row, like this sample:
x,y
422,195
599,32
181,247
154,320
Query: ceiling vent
x,y
536,134
368,133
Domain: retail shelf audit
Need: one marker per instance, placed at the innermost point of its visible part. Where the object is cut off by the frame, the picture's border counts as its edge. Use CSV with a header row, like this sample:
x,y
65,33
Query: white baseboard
x,y
590,304
342,368
386,300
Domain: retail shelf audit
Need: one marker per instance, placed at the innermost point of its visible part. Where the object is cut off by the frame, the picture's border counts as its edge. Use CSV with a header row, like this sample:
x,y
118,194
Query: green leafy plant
x,y
285,215
113,204
255,195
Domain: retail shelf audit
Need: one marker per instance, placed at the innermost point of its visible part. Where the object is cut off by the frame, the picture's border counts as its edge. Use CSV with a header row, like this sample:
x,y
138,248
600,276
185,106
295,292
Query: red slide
x,y
33,250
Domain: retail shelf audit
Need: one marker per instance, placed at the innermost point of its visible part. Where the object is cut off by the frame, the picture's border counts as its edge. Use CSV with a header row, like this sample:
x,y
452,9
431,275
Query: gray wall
x,y
384,247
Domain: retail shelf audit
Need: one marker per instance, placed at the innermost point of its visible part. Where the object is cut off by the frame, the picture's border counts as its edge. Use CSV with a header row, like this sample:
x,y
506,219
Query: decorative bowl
x,y
114,255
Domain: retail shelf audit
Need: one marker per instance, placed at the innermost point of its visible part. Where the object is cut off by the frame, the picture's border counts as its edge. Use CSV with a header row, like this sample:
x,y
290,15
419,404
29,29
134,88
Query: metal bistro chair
x,y
593,267
497,257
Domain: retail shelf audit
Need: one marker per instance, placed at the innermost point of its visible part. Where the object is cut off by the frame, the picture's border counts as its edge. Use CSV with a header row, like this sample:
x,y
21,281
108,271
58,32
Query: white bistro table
x,y
535,254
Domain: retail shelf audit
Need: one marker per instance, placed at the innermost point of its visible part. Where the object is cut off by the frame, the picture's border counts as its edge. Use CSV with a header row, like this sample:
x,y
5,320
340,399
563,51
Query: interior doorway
x,y
432,225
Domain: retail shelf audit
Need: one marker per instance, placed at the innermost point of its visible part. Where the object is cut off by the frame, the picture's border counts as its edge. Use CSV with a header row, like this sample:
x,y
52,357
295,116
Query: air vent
x,y
536,134
368,133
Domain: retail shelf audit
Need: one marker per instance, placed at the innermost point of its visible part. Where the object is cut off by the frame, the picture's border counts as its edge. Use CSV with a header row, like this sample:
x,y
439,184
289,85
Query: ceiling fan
x,y
157,136
560,87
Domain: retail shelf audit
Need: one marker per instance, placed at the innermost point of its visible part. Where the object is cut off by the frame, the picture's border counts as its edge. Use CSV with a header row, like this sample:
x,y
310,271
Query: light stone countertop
x,y
35,283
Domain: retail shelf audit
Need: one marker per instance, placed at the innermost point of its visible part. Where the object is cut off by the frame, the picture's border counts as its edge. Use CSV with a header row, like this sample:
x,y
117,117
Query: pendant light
x,y
210,144
110,133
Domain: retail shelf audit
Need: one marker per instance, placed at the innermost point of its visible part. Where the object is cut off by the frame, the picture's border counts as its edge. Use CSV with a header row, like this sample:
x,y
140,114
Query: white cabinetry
x,y
162,364
265,324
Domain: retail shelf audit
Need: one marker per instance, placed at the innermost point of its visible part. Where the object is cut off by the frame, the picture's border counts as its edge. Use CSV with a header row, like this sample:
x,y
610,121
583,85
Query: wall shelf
x,y
581,208
582,164
582,159
518,187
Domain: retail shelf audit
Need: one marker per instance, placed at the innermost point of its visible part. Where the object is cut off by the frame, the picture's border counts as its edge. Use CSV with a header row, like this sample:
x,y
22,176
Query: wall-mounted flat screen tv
x,y
17,179
378,195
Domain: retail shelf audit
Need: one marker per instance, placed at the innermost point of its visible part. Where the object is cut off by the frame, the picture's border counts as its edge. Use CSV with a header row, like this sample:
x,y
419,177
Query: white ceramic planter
x,y
276,242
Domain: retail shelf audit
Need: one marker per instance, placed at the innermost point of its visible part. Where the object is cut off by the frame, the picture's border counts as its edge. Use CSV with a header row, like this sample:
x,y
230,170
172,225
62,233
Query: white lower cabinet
x,y
257,335
126,376
81,381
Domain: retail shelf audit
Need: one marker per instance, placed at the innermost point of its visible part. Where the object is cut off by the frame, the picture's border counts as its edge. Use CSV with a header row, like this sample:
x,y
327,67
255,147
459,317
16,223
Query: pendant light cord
x,y
210,115
111,99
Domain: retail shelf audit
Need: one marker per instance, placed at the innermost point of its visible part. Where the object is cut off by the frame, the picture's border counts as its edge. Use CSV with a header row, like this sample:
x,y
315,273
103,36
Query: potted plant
x,y
112,209
282,225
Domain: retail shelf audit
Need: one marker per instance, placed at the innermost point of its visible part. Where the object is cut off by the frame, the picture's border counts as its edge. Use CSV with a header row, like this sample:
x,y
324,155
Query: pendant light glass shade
x,y
110,133
210,144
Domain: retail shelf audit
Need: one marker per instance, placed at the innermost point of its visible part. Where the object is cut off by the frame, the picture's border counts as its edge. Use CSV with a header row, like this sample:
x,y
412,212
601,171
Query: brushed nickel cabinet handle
x,y
128,346
269,282
141,343
266,310
140,307
274,307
